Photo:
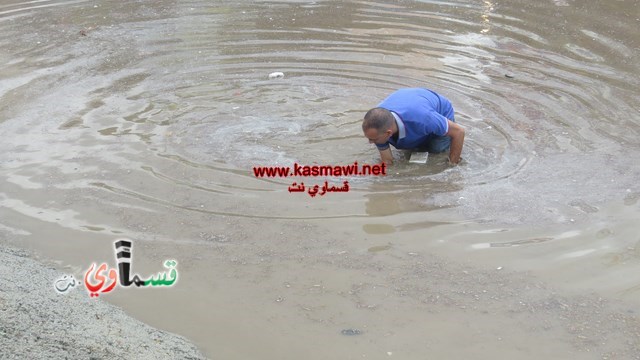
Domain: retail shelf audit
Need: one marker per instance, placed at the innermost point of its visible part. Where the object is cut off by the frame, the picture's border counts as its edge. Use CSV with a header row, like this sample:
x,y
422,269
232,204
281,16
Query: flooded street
x,y
144,120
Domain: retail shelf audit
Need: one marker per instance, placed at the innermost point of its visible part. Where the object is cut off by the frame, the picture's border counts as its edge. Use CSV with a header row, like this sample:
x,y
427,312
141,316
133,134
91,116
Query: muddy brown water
x,y
144,119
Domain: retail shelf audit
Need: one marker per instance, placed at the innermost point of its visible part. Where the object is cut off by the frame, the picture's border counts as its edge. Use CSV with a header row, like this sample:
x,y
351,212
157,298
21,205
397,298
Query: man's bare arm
x,y
456,132
386,156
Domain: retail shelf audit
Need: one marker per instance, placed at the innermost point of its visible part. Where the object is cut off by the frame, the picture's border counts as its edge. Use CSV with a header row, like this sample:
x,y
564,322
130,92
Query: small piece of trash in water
x,y
499,268
419,157
351,332
276,75
509,76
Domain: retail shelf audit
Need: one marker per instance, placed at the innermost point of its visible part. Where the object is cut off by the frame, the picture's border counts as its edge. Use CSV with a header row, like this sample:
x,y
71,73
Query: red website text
x,y
321,170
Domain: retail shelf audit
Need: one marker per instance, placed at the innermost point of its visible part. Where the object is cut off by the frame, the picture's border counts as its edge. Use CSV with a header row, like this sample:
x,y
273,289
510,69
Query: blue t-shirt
x,y
420,114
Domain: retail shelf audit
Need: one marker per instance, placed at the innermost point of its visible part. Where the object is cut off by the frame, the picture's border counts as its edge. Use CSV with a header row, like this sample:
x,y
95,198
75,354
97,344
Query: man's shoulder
x,y
410,96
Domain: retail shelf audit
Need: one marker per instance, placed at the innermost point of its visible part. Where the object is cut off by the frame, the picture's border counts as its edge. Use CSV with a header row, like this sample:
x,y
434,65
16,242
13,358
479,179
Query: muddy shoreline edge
x,y
38,322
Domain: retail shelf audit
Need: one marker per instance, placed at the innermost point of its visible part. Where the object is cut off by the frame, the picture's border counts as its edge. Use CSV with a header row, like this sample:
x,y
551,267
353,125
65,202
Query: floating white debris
x,y
419,157
276,75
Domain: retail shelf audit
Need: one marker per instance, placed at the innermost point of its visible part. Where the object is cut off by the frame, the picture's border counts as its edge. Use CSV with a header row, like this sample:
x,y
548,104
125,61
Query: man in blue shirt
x,y
416,119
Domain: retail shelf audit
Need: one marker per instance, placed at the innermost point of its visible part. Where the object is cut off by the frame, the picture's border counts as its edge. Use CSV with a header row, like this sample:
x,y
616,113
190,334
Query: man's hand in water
x,y
456,133
387,156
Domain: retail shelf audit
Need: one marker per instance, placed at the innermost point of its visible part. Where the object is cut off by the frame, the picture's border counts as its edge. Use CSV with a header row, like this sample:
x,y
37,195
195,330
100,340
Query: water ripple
x,y
185,86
